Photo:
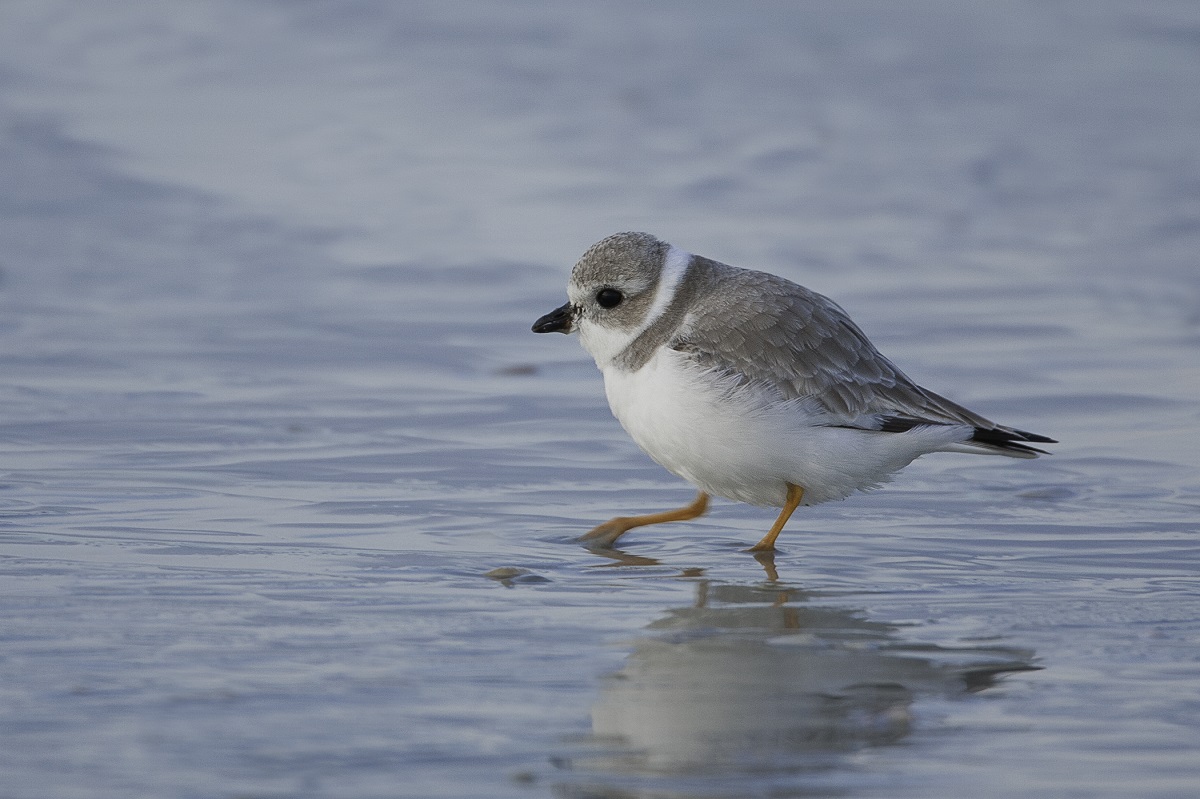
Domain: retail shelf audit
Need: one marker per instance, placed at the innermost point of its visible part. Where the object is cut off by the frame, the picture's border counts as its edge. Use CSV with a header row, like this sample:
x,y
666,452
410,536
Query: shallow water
x,y
290,489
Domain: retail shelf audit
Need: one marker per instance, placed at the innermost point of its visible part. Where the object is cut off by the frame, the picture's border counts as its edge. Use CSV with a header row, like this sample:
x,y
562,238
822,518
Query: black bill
x,y
557,321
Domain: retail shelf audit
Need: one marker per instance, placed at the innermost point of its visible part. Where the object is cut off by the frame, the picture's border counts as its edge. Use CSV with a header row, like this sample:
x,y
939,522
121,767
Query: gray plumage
x,y
764,330
749,386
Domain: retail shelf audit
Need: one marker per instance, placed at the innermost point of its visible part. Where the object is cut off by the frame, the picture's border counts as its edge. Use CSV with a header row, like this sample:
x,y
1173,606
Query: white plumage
x,y
749,386
742,444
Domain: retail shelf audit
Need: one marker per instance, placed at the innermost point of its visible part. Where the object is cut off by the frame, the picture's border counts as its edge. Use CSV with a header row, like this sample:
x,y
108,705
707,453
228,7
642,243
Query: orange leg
x,y
606,534
767,544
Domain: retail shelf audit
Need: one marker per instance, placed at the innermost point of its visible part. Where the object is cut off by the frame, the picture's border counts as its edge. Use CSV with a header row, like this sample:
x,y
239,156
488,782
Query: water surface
x,y
290,490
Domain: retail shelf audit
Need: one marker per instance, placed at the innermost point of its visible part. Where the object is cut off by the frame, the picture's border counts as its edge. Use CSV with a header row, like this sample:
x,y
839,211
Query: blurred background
x,y
289,489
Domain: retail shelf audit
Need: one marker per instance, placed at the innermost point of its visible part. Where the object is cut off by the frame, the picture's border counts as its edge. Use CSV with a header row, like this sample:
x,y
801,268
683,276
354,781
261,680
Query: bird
x,y
751,387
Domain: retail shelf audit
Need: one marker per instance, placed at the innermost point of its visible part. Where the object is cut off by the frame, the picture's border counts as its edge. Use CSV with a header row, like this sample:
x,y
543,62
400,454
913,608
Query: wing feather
x,y
764,330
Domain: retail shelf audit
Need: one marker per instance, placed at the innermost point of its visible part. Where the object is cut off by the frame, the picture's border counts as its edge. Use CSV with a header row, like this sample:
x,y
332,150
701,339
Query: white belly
x,y
746,446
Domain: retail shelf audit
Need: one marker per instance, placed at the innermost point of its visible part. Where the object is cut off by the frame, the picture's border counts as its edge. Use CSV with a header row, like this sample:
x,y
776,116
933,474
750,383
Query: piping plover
x,y
749,386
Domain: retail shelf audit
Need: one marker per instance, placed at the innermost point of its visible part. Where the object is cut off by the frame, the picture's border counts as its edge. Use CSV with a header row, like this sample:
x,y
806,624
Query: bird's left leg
x,y
605,535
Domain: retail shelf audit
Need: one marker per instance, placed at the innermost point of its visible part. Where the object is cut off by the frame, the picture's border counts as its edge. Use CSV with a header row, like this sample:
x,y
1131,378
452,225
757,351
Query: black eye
x,y
609,298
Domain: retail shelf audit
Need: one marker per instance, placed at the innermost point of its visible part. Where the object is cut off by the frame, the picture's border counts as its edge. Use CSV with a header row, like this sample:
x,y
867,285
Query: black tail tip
x,y
1012,440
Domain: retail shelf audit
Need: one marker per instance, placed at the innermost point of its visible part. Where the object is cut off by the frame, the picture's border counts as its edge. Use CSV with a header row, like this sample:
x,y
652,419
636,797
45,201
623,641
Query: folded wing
x,y
775,334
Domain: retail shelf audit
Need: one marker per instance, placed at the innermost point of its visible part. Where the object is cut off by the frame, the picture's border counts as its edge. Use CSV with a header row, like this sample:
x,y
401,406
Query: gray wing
x,y
765,330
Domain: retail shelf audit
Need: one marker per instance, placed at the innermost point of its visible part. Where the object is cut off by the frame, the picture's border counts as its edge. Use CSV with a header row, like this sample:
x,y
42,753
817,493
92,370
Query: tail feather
x,y
1007,441
997,440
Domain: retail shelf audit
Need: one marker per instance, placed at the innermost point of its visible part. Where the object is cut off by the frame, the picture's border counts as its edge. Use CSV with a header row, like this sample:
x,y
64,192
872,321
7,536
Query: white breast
x,y
744,445
687,421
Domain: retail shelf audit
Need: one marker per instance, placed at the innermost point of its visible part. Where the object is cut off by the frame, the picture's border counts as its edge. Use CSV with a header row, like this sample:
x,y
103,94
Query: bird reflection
x,y
619,557
759,679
